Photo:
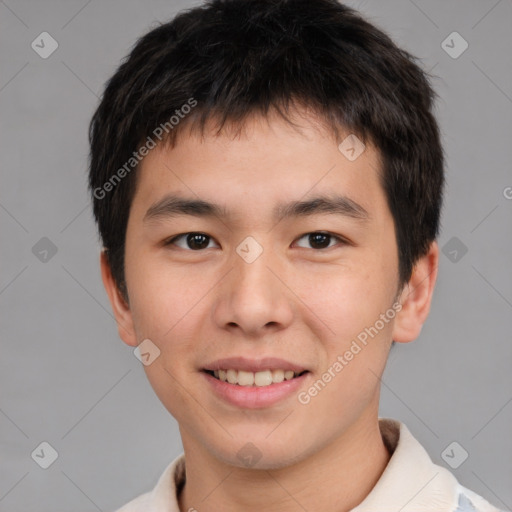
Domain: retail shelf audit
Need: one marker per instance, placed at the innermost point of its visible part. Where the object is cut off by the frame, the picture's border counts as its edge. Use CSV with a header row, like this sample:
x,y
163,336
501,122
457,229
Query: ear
x,y
120,308
416,297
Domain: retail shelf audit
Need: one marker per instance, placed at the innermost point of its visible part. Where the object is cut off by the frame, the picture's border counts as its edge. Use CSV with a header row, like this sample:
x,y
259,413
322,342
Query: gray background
x,y
67,379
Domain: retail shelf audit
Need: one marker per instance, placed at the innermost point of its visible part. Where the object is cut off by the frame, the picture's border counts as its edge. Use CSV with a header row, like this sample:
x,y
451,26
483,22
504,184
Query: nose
x,y
254,297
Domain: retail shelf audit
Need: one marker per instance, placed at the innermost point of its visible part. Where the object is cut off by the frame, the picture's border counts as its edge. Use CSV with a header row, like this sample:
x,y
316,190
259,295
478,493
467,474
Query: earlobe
x,y
416,297
120,308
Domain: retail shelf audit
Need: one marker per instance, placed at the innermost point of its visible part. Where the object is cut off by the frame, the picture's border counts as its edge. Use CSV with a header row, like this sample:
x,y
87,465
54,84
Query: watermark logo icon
x,y
44,455
351,147
44,250
454,455
44,45
454,45
249,455
146,352
249,249
454,249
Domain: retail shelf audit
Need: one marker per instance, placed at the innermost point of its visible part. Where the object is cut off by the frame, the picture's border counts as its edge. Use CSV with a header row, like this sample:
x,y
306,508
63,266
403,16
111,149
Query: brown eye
x,y
320,240
192,241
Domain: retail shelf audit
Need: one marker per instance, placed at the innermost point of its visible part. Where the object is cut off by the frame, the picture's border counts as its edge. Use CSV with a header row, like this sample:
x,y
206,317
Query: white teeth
x,y
278,375
263,378
232,376
260,379
245,378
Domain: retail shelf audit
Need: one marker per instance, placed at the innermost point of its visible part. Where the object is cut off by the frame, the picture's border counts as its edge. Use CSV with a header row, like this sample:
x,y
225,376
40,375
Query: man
x,y
267,180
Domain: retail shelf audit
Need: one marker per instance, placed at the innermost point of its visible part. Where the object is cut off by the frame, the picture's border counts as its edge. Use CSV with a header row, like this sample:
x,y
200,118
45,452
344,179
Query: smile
x,y
257,379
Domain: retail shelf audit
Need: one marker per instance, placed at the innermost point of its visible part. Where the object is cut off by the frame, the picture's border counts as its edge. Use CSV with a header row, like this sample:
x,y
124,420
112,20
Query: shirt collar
x,y
411,481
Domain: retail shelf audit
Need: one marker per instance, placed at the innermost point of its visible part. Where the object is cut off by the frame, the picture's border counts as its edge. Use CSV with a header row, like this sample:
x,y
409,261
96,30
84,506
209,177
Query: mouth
x,y
254,383
262,378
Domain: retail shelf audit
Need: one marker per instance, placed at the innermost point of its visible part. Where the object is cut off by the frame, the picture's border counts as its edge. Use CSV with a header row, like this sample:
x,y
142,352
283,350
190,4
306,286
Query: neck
x,y
335,479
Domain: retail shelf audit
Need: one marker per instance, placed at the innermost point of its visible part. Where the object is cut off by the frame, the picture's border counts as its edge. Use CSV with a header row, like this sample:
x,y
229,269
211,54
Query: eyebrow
x,y
173,206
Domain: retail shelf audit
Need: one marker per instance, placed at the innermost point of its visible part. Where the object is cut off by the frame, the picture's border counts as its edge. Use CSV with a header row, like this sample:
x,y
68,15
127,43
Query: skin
x,y
295,301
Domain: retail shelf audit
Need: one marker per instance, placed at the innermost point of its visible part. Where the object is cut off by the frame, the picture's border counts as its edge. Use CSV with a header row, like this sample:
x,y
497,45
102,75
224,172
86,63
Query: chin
x,y
260,453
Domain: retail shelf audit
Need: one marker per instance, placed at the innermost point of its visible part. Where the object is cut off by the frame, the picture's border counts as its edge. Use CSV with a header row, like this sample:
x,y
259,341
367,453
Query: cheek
x,y
162,298
165,309
356,353
356,305
351,298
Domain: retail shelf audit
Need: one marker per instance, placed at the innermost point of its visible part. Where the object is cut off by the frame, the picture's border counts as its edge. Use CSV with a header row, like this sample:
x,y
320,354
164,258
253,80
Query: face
x,y
249,293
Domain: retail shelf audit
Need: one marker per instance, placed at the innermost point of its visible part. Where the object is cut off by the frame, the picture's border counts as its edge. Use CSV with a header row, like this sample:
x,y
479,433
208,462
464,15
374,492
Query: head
x,y
235,126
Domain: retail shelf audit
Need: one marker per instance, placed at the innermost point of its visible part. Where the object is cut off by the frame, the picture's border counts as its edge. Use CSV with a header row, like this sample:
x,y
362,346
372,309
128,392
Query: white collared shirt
x,y
411,482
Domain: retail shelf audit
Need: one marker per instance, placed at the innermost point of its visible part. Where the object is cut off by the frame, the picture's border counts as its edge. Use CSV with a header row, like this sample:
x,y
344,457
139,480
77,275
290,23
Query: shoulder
x,y
470,501
410,468
164,496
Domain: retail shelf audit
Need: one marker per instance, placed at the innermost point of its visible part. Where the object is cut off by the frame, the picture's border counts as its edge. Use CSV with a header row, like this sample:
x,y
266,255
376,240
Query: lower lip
x,y
255,397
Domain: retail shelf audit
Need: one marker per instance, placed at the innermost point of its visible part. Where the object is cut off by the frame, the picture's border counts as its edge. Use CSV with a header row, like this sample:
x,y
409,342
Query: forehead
x,y
267,162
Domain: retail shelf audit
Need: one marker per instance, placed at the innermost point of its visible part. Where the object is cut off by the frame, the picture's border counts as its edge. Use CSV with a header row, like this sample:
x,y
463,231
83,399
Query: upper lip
x,y
253,365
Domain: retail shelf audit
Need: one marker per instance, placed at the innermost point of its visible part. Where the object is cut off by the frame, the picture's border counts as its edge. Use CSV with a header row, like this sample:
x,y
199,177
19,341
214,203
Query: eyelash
x,y
341,240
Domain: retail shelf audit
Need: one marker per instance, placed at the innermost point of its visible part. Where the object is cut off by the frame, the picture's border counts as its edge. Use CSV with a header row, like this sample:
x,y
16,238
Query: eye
x,y
196,241
320,240
192,241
